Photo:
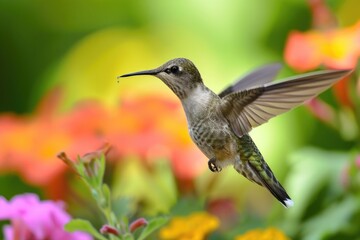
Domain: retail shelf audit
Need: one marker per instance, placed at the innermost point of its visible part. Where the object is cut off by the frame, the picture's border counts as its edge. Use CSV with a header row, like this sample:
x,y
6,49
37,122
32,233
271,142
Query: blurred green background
x,y
224,39
82,46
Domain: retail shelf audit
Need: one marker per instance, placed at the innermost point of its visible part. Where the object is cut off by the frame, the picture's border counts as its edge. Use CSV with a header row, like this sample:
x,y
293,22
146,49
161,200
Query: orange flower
x,y
334,48
196,226
30,148
327,45
150,127
30,144
154,127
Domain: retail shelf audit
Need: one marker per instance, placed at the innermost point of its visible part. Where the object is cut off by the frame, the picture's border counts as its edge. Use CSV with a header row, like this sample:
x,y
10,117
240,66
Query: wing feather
x,y
249,108
257,77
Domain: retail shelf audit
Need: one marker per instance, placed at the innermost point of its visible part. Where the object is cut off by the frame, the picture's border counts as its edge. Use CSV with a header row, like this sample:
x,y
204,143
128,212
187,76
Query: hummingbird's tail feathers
x,y
253,166
289,203
276,189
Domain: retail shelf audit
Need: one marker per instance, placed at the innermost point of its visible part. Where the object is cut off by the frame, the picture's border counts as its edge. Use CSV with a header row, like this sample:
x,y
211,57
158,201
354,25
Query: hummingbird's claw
x,y
212,165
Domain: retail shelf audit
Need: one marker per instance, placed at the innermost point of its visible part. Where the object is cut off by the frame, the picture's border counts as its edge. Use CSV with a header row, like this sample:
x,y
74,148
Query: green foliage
x,y
186,205
334,218
17,185
91,169
84,226
325,206
152,226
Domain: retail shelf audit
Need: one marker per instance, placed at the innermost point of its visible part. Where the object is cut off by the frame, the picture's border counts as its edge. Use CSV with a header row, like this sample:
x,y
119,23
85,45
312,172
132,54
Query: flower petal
x,y
302,51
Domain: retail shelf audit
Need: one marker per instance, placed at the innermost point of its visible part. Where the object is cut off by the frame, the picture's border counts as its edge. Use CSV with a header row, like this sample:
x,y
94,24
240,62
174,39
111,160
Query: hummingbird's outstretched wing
x,y
249,108
258,77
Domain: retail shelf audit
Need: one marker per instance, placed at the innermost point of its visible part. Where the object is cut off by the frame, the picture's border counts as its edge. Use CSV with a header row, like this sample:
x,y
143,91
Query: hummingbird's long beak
x,y
146,72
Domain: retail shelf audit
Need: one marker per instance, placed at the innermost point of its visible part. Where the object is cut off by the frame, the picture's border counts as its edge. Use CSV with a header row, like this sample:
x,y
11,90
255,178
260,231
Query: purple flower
x,y
32,219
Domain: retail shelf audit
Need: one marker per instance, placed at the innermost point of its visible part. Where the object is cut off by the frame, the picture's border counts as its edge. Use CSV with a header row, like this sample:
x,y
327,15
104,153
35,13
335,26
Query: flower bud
x,y
107,229
138,223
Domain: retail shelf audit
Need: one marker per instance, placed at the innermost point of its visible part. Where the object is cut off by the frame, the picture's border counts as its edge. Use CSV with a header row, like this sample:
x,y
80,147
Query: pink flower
x,y
322,111
357,161
31,218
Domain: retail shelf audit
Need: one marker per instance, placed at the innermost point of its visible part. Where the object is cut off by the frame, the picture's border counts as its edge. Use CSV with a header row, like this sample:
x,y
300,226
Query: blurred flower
x,y
30,144
334,48
225,210
193,227
154,127
267,234
357,162
322,111
327,45
322,16
32,219
150,127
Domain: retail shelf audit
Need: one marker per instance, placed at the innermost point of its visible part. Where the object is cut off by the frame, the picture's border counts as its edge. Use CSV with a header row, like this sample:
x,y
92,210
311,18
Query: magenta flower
x,y
31,218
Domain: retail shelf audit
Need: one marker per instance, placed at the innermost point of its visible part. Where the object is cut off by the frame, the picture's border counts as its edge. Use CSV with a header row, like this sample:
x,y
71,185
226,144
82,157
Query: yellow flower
x,y
267,234
196,226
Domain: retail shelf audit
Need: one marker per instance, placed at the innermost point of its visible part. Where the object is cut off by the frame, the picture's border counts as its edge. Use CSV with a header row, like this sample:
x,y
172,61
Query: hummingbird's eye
x,y
172,69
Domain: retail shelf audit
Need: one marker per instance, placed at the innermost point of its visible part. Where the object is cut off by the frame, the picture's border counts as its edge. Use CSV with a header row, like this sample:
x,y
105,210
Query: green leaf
x,y
333,219
323,170
84,226
153,225
80,168
101,170
127,237
123,207
106,194
187,205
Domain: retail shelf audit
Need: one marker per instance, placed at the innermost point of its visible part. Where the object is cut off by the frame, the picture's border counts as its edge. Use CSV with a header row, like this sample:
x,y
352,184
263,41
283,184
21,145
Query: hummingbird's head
x,y
179,74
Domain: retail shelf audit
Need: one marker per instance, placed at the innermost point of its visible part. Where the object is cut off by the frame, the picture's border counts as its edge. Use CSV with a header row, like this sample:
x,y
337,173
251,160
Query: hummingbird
x,y
219,124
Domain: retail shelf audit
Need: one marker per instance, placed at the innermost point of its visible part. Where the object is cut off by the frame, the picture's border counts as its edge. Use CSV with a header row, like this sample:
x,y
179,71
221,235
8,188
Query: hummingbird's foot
x,y
212,165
